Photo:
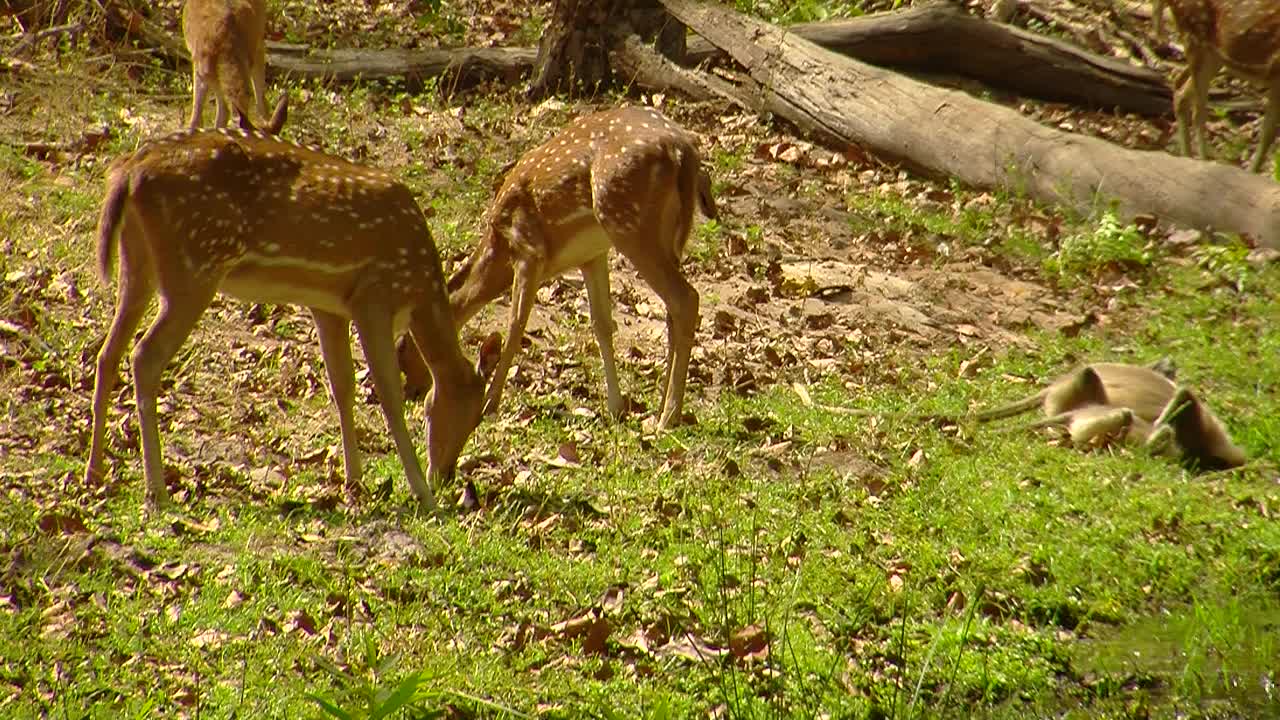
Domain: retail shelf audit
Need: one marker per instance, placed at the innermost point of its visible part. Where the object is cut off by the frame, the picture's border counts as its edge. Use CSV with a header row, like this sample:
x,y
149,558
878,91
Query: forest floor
x,y
771,557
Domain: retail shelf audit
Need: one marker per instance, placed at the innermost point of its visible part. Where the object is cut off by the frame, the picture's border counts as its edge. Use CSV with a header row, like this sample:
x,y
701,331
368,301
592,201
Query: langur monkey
x,y
1140,404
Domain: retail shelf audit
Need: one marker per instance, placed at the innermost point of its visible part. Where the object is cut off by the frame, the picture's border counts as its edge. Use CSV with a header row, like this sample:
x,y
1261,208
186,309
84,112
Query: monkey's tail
x,y
109,222
1014,408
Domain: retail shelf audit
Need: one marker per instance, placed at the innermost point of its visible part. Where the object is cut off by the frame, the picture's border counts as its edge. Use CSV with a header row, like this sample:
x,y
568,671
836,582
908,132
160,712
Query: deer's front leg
x,y
1268,133
377,338
524,292
335,347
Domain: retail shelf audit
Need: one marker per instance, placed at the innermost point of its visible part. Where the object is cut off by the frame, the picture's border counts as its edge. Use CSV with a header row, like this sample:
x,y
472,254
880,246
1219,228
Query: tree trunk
x,y
949,133
574,54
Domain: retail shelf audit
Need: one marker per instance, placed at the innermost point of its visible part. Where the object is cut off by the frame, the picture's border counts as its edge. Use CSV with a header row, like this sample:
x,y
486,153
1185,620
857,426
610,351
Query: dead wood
x,y
942,132
637,64
463,67
929,39
943,39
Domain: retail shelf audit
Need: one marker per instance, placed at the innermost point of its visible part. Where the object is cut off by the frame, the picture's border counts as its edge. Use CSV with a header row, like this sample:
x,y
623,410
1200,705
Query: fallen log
x,y
942,132
938,39
941,38
934,38
463,67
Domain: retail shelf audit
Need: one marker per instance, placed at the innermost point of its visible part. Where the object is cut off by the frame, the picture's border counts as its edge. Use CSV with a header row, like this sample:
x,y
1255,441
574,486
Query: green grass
x,y
956,214
1016,591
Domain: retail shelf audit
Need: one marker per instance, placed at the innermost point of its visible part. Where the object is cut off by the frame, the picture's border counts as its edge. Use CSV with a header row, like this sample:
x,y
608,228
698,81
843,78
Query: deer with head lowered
x,y
227,41
1240,35
627,178
269,221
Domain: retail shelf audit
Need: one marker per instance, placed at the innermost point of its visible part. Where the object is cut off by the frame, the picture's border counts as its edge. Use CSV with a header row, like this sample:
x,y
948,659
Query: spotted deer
x,y
227,40
627,178
1244,37
242,213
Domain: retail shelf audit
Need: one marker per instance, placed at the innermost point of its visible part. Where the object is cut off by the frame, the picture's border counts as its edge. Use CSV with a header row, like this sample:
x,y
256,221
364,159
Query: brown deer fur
x,y
242,213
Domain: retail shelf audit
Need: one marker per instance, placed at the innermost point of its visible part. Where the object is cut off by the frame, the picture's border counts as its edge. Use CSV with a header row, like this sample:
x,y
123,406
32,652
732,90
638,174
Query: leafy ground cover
x,y
772,557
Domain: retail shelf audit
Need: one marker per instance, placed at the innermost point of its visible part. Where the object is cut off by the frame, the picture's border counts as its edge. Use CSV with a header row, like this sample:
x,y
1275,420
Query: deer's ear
x,y
490,350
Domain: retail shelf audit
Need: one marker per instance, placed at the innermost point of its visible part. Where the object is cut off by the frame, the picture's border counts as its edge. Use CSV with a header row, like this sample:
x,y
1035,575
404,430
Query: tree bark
x,y
640,65
940,38
943,132
574,54
574,48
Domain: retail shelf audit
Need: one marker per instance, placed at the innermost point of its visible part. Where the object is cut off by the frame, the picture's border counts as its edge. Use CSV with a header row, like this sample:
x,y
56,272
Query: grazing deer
x,y
1244,37
268,221
627,178
228,53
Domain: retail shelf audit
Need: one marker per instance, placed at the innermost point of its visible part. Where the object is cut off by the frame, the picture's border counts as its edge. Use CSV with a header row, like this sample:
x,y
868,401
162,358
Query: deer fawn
x,y
268,221
1244,37
228,53
627,178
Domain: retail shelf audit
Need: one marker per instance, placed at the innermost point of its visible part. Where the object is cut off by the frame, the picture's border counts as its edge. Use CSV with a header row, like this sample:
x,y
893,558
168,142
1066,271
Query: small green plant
x,y
531,28
1111,245
377,702
1228,262
707,244
15,165
726,162
786,12
440,21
